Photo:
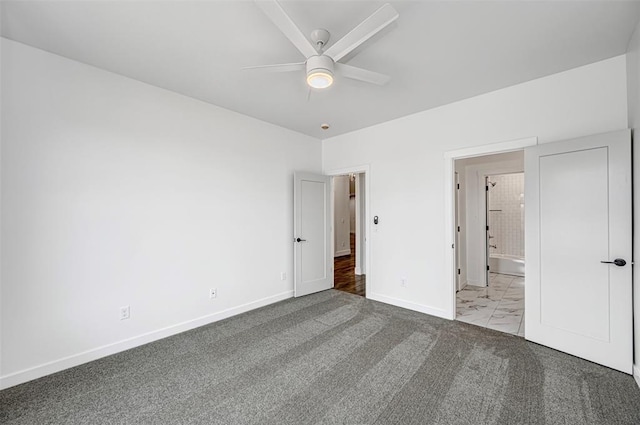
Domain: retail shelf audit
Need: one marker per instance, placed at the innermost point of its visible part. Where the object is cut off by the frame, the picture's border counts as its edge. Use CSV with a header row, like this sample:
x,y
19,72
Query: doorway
x,y
490,236
578,227
349,233
313,224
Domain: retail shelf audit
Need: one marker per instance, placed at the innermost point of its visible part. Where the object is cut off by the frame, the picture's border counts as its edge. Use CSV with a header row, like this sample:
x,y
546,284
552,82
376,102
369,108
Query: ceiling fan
x,y
321,65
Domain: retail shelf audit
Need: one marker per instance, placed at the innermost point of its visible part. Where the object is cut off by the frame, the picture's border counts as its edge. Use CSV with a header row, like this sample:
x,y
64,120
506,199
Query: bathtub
x,y
506,264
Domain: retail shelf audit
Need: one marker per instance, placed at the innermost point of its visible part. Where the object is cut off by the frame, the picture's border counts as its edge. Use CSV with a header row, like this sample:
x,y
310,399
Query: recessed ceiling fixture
x,y
325,126
321,65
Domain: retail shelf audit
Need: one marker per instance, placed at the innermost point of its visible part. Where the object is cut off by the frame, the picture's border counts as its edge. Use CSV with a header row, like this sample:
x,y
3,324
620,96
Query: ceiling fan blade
x,y
367,29
365,75
279,17
281,67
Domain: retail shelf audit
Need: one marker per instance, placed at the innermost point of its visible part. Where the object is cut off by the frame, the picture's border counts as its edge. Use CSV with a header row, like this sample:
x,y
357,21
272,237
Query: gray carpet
x,y
331,358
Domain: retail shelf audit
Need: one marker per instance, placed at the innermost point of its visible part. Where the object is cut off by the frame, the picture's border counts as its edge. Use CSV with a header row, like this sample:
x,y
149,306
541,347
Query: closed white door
x,y
313,261
578,226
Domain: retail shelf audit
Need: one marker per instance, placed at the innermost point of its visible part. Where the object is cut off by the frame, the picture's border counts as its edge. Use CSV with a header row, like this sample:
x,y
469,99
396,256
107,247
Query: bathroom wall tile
x,y
506,221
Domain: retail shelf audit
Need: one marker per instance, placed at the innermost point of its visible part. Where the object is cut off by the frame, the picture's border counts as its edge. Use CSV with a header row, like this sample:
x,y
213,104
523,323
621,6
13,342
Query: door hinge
x,y
458,271
487,268
487,228
486,188
458,186
458,228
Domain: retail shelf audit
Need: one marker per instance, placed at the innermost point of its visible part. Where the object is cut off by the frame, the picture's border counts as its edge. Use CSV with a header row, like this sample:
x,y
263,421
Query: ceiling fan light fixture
x,y
319,72
320,63
320,79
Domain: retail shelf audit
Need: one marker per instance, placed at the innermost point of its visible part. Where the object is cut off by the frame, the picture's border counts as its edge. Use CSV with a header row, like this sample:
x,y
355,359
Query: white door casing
x,y
361,221
456,198
364,173
578,206
449,207
487,231
313,260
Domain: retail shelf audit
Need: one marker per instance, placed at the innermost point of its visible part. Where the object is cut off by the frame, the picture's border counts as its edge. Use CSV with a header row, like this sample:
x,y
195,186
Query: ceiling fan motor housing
x,y
320,63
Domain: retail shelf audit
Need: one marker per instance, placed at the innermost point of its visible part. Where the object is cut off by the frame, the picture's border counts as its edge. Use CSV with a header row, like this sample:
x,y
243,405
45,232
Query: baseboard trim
x,y
636,374
463,285
45,369
342,253
410,306
475,283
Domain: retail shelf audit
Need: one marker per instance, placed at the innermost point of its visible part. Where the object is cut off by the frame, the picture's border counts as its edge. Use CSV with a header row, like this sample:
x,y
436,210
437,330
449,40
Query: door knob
x,y
300,240
618,262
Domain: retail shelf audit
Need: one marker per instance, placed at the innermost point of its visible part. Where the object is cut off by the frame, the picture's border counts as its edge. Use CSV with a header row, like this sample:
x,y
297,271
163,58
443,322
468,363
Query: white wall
x,y
633,96
119,193
407,166
342,243
1,133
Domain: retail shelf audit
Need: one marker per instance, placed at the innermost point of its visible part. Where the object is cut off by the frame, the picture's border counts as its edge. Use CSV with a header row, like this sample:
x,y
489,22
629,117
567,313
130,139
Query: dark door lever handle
x,y
300,240
618,262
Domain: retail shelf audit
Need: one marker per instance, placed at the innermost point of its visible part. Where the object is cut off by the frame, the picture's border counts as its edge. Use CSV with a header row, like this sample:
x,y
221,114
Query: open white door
x,y
312,234
578,206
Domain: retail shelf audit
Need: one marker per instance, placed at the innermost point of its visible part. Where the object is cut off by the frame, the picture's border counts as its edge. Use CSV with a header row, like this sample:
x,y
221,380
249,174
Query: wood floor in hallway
x,y
345,278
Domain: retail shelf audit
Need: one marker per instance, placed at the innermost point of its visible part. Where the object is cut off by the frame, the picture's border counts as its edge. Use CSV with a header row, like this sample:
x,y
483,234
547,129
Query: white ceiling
x,y
437,52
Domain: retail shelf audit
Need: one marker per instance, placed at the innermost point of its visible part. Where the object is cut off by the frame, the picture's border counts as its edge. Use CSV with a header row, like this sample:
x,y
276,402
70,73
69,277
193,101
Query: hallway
x,y
345,278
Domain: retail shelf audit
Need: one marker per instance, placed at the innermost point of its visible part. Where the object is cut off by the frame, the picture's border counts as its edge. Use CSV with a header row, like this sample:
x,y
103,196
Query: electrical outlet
x,y
125,312
283,276
213,293
403,282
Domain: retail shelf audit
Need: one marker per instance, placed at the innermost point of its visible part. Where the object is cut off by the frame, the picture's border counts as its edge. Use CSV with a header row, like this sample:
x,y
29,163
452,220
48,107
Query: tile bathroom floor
x,y
499,306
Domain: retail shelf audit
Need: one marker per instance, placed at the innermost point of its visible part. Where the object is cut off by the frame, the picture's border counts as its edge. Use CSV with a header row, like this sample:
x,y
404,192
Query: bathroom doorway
x,y
490,213
505,223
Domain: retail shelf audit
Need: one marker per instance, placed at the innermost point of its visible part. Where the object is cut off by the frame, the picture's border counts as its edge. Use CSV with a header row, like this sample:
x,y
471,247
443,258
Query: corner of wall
x,y
171,253
1,44
633,84
58,365
633,115
322,161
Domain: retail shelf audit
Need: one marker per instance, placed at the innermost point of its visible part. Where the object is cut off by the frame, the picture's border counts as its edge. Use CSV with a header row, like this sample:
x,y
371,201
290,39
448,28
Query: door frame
x,y
449,204
487,240
366,170
457,224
